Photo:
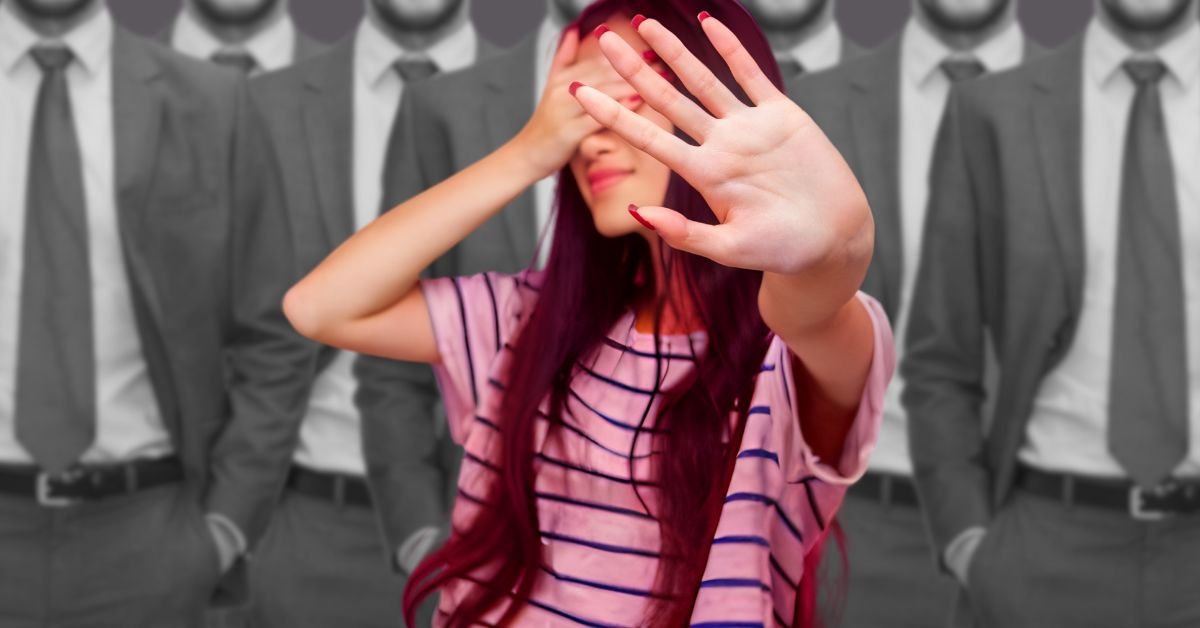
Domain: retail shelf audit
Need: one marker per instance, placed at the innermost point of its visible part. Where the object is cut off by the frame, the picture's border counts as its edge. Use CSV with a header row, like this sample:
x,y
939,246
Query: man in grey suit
x,y
804,35
1063,227
252,36
324,562
146,411
445,125
882,110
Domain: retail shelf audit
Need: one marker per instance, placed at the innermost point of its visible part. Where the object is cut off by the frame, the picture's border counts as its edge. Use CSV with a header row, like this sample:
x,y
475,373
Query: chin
x,y
614,222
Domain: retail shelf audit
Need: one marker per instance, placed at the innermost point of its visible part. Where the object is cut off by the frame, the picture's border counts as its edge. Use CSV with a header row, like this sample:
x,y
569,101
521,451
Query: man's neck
x,y
57,26
411,40
1146,39
962,40
230,33
788,39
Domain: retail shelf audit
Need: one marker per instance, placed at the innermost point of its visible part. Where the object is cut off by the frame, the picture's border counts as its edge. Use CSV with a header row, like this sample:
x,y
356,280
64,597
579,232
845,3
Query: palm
x,y
775,183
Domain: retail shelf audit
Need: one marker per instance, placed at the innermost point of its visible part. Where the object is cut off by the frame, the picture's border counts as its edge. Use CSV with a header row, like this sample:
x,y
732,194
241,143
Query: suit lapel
x,y
875,125
329,129
505,113
138,110
1057,118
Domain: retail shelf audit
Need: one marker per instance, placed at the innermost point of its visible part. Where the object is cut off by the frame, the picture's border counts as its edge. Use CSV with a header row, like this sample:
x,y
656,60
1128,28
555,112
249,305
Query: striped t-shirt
x,y
600,546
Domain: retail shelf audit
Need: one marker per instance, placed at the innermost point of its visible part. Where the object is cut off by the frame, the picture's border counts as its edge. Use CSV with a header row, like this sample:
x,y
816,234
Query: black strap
x,y
342,490
89,483
886,488
1173,497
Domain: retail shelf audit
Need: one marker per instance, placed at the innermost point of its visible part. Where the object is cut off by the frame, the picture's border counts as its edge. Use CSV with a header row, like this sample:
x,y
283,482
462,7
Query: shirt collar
x,y
90,41
820,51
1106,54
923,53
376,52
271,47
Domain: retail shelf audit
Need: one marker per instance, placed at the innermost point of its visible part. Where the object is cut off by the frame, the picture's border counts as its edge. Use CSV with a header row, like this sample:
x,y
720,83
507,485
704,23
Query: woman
x,y
658,427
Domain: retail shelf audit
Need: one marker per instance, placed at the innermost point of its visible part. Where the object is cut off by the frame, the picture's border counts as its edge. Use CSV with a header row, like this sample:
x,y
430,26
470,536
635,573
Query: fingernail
x,y
704,15
667,75
600,30
637,20
635,100
633,210
574,87
650,56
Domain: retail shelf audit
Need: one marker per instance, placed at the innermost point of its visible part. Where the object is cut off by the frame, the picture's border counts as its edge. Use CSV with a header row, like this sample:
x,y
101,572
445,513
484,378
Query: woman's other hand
x,y
559,124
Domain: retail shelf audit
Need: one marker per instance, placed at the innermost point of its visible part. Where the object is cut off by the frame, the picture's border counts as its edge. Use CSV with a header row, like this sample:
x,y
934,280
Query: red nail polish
x,y
633,210
637,21
704,15
600,30
650,56
574,87
667,75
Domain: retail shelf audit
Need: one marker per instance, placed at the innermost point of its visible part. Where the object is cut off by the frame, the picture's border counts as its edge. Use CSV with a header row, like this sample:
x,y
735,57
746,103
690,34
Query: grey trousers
x,y
892,579
145,560
1044,563
324,566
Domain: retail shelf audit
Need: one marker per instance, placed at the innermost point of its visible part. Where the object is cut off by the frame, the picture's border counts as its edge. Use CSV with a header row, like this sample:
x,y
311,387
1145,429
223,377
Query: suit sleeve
x,y
268,365
944,362
399,400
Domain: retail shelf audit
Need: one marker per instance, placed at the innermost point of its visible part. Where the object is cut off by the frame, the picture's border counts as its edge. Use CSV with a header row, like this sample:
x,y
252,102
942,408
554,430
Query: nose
x,y
597,144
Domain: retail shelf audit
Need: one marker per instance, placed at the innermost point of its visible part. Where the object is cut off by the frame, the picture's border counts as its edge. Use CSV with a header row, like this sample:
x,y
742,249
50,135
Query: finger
x,y
567,51
640,132
711,241
745,69
699,80
654,88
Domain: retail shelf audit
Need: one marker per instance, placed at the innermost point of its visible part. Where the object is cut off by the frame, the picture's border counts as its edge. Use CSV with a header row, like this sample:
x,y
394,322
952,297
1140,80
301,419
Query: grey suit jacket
x,y
311,132
199,210
1002,259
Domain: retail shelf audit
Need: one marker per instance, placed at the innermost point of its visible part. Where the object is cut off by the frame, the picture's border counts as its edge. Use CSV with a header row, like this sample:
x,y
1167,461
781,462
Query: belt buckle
x,y
45,488
1137,502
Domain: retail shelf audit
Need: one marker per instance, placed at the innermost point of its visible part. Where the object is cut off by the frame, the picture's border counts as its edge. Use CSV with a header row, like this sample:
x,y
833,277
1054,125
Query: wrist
x,y
529,156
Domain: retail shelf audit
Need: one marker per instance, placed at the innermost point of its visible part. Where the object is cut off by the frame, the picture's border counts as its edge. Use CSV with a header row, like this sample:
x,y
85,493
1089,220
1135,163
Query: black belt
x,y
1172,497
886,488
343,490
88,483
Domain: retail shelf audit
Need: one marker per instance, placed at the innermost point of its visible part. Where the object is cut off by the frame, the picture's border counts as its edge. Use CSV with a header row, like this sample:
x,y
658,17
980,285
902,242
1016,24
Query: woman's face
x,y
612,174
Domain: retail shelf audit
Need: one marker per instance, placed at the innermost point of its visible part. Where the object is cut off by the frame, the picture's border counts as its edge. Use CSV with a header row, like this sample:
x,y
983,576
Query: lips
x,y
604,178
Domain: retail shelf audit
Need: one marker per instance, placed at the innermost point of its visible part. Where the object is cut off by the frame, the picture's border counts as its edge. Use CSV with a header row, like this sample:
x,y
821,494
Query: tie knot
x,y
1145,71
415,69
962,69
239,60
790,67
52,58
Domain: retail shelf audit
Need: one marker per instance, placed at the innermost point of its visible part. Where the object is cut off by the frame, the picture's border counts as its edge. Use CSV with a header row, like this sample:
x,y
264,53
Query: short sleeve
x,y
802,463
474,317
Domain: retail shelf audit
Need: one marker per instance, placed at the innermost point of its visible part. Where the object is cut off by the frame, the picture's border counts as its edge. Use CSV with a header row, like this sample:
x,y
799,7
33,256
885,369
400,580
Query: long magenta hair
x,y
589,282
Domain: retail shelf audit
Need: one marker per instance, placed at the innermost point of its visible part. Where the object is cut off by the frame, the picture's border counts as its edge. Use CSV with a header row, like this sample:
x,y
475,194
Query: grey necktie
x,y
1148,391
962,69
790,68
415,69
56,385
237,59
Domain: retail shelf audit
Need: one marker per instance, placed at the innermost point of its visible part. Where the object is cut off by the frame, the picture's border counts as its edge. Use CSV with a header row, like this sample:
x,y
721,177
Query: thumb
x,y
680,233
568,47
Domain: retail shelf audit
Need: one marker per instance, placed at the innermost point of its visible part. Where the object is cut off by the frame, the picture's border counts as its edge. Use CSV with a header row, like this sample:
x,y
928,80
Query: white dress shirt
x,y
924,89
329,435
273,47
548,35
821,51
128,421
1069,425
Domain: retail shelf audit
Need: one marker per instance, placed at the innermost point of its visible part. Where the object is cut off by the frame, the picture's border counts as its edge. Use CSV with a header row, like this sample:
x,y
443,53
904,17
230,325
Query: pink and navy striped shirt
x,y
601,548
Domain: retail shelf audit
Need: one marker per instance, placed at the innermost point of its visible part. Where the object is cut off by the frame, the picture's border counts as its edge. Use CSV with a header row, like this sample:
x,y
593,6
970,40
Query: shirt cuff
x,y
958,555
414,549
231,529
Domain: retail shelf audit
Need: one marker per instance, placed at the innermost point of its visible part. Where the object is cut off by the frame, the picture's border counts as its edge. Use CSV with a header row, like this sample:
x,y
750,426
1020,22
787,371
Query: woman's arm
x,y
786,202
364,296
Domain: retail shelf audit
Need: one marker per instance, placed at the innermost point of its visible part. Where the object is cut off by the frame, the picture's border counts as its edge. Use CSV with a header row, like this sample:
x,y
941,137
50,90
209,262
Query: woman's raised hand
x,y
785,199
558,123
